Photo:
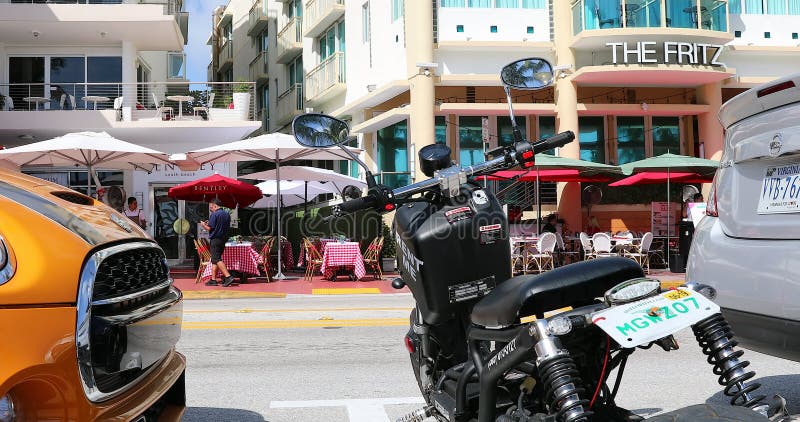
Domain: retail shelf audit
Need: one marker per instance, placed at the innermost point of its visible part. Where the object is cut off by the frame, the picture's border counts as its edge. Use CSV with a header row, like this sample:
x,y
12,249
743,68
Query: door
x,y
175,225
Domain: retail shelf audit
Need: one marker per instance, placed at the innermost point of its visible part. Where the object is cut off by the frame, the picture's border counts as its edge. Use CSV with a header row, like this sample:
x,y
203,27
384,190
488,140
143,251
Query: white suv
x,y
748,245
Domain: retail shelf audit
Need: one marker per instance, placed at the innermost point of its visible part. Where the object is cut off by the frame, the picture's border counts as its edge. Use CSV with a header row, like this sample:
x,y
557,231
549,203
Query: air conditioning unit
x,y
115,197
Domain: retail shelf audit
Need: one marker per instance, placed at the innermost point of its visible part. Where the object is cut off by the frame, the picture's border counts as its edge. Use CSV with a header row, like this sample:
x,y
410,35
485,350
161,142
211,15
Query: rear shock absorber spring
x,y
716,340
562,388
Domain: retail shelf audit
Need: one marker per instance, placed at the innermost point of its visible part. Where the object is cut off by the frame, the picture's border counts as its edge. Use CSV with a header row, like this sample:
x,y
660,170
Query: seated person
x,y
550,225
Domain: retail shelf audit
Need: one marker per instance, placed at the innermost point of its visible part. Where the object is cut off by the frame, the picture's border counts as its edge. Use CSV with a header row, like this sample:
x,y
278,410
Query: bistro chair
x,y
205,258
264,254
641,252
161,109
313,259
563,254
586,244
601,245
518,257
543,258
372,257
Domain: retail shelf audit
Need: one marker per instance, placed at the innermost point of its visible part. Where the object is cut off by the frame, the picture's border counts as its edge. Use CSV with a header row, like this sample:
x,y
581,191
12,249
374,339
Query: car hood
x,y
49,231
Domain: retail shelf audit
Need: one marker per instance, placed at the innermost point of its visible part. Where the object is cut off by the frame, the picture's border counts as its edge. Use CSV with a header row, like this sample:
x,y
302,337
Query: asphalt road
x,y
341,358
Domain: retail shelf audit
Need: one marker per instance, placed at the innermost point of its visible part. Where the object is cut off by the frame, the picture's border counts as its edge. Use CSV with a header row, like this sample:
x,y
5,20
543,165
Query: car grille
x,y
128,317
128,272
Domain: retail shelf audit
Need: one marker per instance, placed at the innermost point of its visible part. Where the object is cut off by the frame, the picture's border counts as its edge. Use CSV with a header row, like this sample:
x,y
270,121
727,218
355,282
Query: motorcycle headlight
x,y
7,409
632,290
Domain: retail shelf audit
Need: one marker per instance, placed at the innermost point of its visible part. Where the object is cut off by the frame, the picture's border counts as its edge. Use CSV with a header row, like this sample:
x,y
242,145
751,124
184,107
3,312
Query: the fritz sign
x,y
666,53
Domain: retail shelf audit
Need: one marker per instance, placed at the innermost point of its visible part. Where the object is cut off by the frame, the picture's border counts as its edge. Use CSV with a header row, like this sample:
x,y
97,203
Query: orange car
x,y
88,313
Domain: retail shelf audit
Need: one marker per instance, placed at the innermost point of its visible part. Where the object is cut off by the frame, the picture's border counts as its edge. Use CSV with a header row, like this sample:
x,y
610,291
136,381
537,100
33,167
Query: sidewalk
x,y
258,288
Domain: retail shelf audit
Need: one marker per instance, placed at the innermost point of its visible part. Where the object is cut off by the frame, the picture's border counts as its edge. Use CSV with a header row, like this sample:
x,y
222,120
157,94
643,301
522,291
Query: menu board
x,y
662,218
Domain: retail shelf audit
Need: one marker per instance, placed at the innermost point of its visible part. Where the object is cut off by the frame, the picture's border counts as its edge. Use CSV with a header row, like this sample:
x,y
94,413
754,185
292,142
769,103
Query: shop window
x,y
440,129
592,138
505,132
630,139
393,154
666,135
470,140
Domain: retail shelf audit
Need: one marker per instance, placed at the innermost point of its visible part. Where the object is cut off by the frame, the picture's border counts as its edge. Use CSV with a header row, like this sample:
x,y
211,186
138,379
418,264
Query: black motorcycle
x,y
473,358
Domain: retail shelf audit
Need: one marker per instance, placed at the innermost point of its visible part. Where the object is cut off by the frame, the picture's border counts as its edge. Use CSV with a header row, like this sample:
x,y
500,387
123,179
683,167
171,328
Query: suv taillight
x,y
711,205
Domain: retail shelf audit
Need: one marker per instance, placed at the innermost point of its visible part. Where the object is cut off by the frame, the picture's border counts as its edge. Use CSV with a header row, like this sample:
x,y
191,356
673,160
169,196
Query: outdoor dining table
x,y
239,257
36,100
95,99
180,99
342,256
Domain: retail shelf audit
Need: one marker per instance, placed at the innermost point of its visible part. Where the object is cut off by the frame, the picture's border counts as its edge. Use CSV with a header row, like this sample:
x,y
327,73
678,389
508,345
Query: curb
x,y
221,294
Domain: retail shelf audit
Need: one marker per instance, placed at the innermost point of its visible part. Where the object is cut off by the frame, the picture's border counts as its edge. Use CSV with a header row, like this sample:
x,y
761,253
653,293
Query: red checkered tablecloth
x,y
319,244
242,258
347,254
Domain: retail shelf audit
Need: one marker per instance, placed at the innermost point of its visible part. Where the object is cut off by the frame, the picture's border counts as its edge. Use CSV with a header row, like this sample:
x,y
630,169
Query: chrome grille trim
x,y
135,295
84,316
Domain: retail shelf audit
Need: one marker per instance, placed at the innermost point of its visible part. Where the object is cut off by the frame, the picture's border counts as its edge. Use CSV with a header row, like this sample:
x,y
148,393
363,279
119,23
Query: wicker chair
x,y
372,257
205,258
265,260
313,258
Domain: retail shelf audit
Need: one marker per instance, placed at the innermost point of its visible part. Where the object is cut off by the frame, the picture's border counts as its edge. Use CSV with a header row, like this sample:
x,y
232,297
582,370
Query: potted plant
x,y
241,99
389,252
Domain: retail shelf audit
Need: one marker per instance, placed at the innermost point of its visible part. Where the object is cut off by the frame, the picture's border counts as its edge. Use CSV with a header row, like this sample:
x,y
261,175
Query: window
x,y
592,138
506,4
263,45
176,66
479,3
666,135
776,7
294,9
470,140
452,3
547,128
493,29
630,139
459,28
753,6
737,34
440,129
533,4
331,41
296,71
735,6
393,154
365,23
529,30
505,132
264,105
397,9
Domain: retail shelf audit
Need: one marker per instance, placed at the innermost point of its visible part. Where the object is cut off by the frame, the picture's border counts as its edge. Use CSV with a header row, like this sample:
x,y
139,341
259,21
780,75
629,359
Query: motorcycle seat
x,y
573,285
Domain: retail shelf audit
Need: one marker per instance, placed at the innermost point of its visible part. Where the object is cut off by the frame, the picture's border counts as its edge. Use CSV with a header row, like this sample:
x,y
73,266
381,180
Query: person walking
x,y
218,225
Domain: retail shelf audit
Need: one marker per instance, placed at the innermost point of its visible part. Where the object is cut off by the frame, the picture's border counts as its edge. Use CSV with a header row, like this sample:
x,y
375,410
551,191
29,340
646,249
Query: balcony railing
x,y
290,40
290,104
146,101
225,56
320,14
258,17
330,74
710,15
173,6
259,67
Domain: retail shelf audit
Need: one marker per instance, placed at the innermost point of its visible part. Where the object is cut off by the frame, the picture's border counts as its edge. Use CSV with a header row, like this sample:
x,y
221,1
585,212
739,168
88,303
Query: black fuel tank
x,y
453,255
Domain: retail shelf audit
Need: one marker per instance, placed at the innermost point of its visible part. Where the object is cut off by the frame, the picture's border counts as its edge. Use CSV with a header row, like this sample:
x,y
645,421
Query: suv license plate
x,y
637,323
780,190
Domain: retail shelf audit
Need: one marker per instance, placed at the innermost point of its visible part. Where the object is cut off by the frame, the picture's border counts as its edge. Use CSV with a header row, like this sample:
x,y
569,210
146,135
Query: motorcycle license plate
x,y
637,323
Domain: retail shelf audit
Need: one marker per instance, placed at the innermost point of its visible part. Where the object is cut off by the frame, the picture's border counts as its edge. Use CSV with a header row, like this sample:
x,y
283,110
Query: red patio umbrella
x,y
653,177
231,192
548,175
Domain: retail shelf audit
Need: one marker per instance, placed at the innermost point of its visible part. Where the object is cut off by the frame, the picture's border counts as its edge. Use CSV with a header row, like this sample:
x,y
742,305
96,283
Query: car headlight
x,y
7,409
3,254
6,266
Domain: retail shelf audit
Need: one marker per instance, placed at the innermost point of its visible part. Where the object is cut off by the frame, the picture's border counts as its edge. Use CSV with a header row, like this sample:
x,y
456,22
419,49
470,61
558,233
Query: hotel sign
x,y
669,52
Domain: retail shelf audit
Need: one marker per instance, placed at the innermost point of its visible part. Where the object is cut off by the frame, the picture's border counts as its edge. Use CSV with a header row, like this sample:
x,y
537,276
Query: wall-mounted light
x,y
425,67
103,34
562,70
371,87
35,33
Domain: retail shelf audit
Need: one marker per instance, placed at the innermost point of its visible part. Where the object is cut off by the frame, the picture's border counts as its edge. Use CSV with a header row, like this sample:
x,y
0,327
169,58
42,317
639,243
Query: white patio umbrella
x,y
292,192
275,147
311,174
88,149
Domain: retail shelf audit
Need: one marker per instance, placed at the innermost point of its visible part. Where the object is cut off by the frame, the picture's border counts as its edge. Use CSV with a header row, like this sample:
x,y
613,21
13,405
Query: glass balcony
x,y
290,104
709,15
327,79
290,40
225,56
259,17
320,14
259,67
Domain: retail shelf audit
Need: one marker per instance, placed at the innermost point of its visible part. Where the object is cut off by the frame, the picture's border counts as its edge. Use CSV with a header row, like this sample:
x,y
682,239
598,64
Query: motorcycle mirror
x,y
319,130
531,73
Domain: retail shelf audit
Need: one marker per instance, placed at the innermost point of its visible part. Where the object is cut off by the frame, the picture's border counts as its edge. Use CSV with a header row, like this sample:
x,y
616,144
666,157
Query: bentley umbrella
x,y
231,192
661,168
275,147
88,149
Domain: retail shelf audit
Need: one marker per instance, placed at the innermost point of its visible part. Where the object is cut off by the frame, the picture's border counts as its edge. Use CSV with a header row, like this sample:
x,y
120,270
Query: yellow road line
x,y
254,311
220,294
302,323
344,291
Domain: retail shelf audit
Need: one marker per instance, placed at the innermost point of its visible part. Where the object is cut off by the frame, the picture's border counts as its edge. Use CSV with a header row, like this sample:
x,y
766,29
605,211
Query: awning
x,y
660,75
382,120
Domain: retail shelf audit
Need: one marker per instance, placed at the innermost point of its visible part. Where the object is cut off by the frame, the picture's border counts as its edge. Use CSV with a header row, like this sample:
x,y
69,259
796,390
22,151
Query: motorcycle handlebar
x,y
506,160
